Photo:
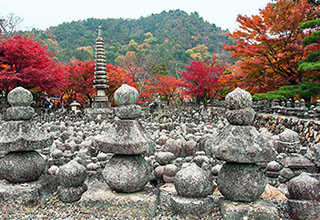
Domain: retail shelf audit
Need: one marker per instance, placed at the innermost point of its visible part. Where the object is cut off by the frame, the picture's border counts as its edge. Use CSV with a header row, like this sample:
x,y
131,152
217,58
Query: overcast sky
x,y
42,14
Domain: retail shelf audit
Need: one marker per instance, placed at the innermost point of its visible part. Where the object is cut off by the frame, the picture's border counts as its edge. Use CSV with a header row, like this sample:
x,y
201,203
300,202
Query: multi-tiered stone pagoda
x,y
100,82
101,107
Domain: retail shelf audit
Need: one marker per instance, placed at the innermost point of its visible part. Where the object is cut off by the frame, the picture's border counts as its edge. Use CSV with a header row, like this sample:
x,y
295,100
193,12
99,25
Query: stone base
x,y
302,209
26,196
257,210
101,102
191,207
99,199
99,113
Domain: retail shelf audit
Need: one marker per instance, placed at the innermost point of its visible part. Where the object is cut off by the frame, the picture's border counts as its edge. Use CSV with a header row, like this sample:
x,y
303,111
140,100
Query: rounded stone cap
x,y
238,99
304,187
126,95
72,174
273,166
193,182
20,97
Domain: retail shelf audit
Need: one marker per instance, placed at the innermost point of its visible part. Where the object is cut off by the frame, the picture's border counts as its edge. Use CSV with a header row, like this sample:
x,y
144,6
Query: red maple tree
x,y
80,81
163,86
202,79
24,62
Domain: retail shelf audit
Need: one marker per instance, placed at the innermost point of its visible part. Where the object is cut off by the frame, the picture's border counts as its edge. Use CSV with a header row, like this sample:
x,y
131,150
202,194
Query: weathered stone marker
x,y
241,179
126,174
71,178
304,197
20,138
193,185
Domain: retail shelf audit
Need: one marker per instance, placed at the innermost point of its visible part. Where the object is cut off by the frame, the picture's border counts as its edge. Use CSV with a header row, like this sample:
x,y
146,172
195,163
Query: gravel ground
x,y
54,209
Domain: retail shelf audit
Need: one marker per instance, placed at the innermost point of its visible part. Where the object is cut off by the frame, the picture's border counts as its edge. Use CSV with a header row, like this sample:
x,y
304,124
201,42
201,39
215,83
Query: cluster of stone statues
x,y
297,109
124,190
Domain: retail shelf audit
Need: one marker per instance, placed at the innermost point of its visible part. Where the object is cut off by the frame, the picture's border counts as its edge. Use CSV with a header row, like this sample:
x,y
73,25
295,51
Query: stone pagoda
x,y
241,179
100,81
101,107
124,192
25,184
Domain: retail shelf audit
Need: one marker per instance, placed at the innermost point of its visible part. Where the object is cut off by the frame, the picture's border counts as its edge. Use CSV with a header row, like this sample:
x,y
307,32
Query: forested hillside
x,y
169,39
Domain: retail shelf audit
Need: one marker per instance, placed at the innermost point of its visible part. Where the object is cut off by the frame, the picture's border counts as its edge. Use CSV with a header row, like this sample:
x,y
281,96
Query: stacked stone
x,y
20,138
193,185
304,197
71,178
100,81
57,157
127,172
273,168
169,173
241,179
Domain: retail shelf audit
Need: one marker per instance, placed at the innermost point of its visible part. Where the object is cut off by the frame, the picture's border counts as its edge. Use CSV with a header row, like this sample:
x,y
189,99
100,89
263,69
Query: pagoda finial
x,y
99,31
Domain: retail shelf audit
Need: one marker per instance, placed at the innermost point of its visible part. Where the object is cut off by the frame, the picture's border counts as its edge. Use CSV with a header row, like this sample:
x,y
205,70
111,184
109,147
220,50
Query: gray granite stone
x,y
304,209
288,142
170,170
298,161
238,99
127,173
17,197
164,158
304,187
241,182
193,182
273,166
124,137
22,136
20,97
159,171
71,194
193,208
126,95
100,199
131,111
240,116
257,210
19,113
18,167
241,144
72,174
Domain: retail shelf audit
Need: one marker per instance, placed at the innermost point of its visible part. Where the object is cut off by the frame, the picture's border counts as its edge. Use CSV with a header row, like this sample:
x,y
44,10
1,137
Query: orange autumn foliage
x,y
269,47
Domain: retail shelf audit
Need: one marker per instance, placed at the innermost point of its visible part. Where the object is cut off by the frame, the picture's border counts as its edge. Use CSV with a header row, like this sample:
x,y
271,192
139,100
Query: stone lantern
x,y
75,107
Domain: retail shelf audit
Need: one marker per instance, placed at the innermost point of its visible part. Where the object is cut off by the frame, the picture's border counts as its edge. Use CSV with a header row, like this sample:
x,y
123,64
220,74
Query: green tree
x,y
312,62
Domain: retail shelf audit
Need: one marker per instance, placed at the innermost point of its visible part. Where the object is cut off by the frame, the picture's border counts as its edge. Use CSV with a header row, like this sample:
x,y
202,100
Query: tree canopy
x,y
269,46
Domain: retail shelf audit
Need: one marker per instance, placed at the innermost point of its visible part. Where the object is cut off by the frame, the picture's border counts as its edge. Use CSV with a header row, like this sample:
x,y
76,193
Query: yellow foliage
x,y
133,43
53,41
148,34
143,46
86,48
198,52
196,56
119,59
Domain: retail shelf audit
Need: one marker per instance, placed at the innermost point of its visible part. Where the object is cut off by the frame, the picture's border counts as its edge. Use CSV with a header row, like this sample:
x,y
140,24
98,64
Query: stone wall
x,y
306,128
